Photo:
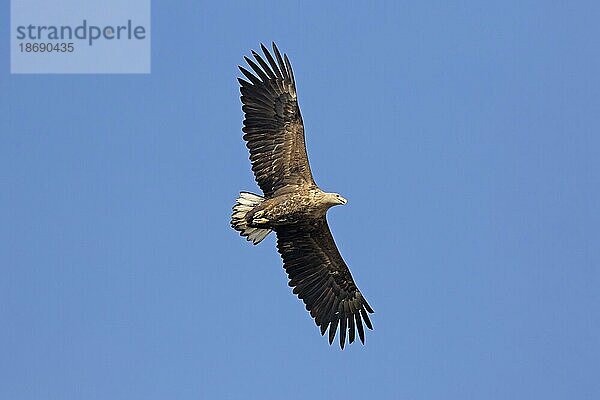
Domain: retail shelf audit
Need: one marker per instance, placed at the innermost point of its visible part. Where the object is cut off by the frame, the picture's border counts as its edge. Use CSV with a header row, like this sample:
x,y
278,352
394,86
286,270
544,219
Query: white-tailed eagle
x,y
293,205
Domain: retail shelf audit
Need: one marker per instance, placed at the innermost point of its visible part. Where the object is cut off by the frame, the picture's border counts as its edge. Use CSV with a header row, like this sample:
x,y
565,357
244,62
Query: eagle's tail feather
x,y
243,205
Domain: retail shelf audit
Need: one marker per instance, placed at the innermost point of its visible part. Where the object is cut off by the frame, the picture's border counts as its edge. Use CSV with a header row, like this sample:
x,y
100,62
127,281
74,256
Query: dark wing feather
x,y
273,126
320,277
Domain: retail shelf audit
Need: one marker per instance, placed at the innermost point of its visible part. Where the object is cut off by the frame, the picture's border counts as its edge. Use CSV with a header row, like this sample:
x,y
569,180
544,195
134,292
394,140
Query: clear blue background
x,y
464,136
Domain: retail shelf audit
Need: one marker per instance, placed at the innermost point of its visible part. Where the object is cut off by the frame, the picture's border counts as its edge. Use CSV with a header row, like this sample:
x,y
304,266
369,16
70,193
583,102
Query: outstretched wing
x,y
322,280
273,125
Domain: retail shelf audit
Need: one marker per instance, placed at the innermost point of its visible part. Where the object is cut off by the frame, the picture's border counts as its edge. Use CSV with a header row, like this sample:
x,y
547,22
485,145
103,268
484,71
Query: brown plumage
x,y
293,205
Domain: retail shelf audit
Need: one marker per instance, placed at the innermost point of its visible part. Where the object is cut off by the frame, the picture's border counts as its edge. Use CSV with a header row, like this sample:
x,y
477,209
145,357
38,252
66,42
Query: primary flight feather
x,y
293,205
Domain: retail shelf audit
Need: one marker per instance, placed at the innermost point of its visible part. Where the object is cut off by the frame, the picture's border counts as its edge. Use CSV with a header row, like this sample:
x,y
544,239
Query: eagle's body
x,y
304,203
293,205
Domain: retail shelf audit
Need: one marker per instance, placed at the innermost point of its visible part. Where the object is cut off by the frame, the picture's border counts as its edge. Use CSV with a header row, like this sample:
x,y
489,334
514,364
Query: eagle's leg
x,y
258,218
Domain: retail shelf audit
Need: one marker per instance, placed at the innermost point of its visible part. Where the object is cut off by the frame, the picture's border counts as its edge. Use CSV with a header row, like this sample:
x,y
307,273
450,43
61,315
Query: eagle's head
x,y
334,199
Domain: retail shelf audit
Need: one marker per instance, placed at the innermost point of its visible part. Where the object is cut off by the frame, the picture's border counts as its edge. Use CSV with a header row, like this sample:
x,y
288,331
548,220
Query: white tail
x,y
243,205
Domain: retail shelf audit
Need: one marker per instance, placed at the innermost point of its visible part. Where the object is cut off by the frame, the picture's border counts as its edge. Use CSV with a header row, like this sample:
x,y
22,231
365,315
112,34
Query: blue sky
x,y
464,136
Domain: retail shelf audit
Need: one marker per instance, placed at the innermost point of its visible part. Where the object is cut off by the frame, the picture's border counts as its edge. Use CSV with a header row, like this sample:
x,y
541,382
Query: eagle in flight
x,y
293,205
